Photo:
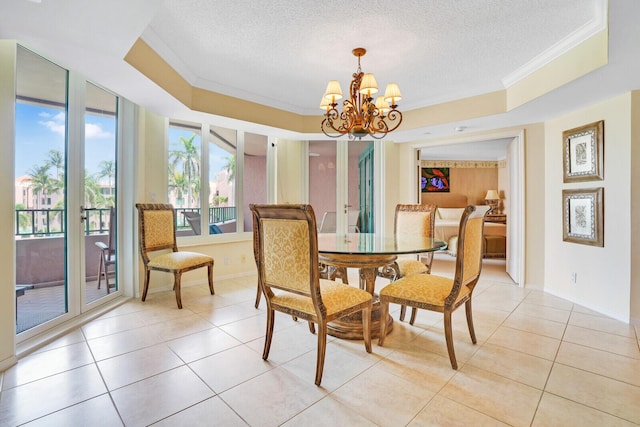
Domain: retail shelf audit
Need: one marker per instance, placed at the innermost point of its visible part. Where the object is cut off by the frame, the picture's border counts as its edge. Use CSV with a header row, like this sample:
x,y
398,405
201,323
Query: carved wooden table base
x,y
350,327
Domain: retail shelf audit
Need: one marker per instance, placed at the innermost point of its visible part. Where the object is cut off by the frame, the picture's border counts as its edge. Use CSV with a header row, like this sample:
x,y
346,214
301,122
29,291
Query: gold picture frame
x,y
583,150
583,216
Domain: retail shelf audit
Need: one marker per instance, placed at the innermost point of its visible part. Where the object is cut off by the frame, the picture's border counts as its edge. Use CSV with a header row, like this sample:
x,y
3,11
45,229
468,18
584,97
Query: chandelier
x,y
361,116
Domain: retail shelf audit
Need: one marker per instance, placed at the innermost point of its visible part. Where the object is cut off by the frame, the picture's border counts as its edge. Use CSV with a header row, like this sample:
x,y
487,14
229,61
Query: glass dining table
x,y
368,252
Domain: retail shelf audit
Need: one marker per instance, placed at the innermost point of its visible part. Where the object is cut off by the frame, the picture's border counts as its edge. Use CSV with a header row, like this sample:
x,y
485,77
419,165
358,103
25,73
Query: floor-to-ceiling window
x,y
213,179
40,162
254,174
221,207
65,175
100,201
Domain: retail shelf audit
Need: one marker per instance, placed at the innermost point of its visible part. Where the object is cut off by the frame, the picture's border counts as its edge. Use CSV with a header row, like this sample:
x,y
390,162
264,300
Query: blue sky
x,y
40,129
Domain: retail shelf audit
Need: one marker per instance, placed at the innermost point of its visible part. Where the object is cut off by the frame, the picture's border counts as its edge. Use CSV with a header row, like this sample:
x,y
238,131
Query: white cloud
x,y
55,127
92,130
56,124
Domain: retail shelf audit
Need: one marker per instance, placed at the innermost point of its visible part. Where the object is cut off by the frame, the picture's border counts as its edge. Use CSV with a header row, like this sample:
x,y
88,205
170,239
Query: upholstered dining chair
x,y
443,294
157,232
286,248
107,252
412,220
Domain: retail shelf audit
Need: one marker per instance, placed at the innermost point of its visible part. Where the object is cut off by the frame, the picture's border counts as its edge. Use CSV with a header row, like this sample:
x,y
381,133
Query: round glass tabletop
x,y
372,243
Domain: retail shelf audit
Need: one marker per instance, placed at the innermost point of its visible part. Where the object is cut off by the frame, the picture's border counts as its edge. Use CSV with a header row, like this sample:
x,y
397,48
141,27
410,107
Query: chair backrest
x,y
287,249
328,224
193,218
156,228
469,254
416,220
354,220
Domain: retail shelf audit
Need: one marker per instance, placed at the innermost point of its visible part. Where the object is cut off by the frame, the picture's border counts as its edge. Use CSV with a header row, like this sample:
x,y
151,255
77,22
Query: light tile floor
x,y
539,361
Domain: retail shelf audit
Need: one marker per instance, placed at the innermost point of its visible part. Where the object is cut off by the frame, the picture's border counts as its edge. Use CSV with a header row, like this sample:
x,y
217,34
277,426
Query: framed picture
x,y
583,150
434,180
583,216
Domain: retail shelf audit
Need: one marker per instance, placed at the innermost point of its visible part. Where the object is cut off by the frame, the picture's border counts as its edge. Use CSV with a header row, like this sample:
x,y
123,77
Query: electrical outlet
x,y
227,260
574,277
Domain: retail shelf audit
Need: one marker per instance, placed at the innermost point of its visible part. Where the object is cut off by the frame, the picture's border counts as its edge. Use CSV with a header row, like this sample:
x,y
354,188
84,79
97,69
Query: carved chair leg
x,y
269,333
414,311
147,275
403,311
210,276
448,334
322,347
312,327
258,294
176,285
472,332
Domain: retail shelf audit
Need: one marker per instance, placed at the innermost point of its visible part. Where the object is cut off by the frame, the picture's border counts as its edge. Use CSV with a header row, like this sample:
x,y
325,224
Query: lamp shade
x,y
325,104
382,105
392,94
368,85
492,195
334,91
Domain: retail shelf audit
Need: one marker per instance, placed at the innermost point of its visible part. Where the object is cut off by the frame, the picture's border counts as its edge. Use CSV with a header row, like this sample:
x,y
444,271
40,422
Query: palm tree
x,y
41,182
178,184
230,167
108,169
93,197
187,160
56,160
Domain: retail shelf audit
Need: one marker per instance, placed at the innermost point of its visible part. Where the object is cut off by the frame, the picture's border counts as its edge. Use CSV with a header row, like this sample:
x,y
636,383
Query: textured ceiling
x,y
283,53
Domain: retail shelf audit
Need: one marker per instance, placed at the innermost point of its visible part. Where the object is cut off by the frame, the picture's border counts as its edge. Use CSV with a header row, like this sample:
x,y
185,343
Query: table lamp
x,y
492,200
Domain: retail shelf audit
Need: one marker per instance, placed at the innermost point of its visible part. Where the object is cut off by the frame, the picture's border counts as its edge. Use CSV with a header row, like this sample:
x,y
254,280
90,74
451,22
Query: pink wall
x,y
322,182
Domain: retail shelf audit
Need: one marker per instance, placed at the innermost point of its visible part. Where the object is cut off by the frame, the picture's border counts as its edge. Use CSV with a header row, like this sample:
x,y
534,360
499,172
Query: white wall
x,y
603,274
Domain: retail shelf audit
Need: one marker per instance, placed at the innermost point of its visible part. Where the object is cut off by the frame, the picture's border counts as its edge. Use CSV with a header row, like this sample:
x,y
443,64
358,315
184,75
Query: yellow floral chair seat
x,y
423,290
179,260
336,298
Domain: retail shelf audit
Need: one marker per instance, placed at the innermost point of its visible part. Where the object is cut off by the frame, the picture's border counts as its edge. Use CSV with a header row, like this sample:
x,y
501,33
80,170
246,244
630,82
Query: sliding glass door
x,y
340,190
40,179
65,204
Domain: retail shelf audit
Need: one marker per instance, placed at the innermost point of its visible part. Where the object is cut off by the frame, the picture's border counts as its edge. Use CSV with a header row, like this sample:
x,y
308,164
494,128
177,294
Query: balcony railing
x,y
51,222
217,215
